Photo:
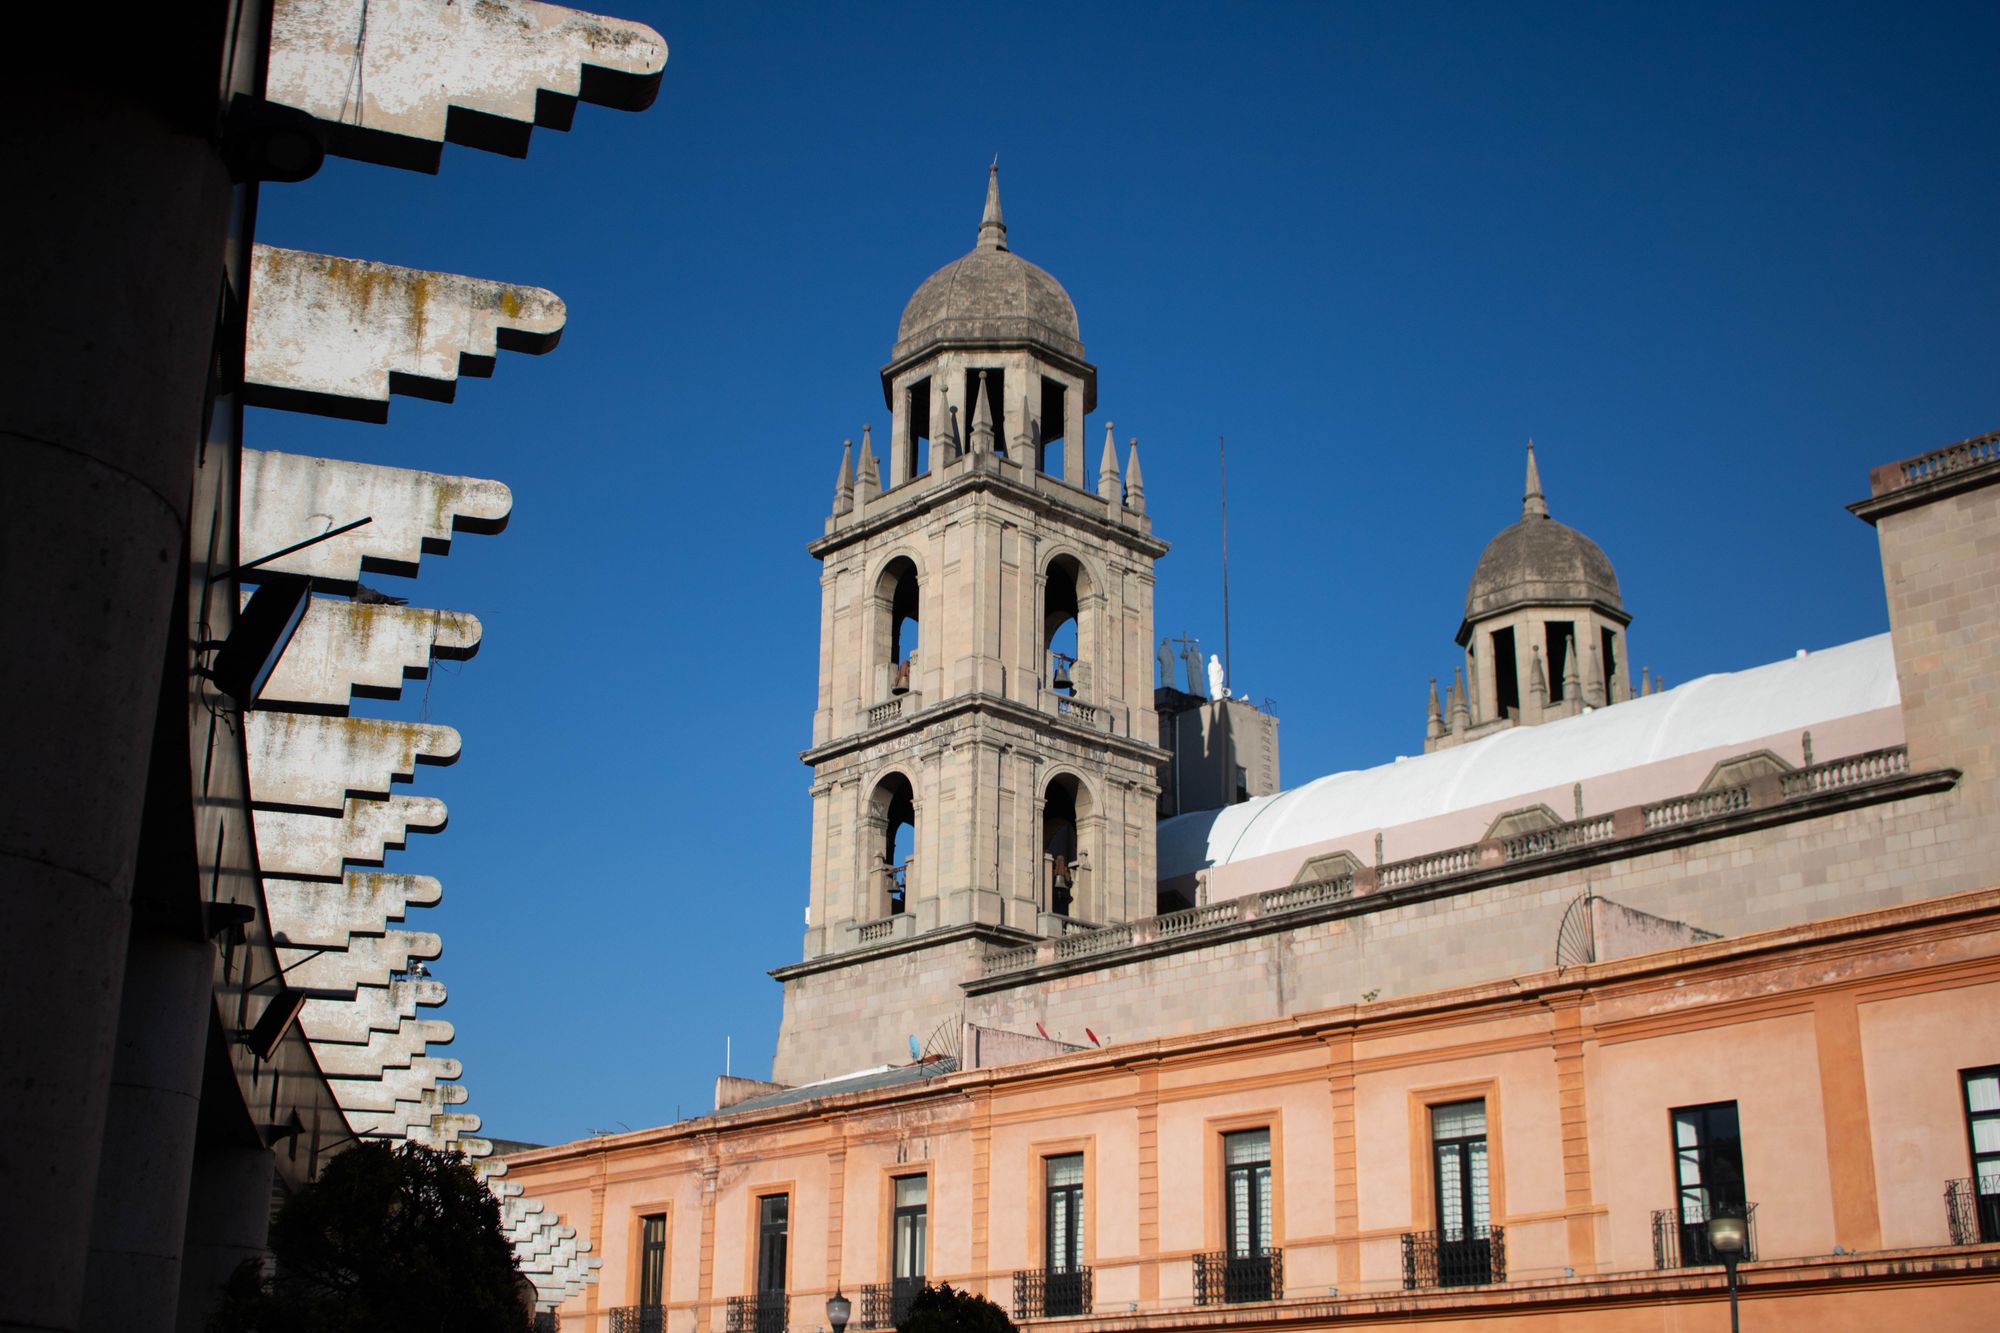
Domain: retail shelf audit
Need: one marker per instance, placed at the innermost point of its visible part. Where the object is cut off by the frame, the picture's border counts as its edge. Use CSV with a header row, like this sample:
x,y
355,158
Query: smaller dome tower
x,y
1543,633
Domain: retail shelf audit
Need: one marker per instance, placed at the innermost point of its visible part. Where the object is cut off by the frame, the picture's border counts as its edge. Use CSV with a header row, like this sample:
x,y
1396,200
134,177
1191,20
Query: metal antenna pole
x,y
1222,456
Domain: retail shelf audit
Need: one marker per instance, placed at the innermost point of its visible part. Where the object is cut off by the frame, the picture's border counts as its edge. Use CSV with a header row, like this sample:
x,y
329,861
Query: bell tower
x,y
984,763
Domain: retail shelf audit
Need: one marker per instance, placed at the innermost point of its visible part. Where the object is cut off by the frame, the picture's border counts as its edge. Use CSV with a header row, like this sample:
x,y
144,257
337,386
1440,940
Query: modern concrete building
x,y
208,981
1484,1037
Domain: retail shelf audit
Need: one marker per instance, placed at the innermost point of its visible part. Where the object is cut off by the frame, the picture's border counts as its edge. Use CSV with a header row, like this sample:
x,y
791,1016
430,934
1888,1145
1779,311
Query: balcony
x,y
765,1312
1972,1206
631,1319
1234,1279
1680,1242
1431,1259
883,1304
1042,1294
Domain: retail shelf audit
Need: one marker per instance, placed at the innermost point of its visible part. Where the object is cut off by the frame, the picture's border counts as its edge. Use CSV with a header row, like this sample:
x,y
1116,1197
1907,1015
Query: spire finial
x,y
1532,503
1108,484
1135,481
843,482
992,227
982,420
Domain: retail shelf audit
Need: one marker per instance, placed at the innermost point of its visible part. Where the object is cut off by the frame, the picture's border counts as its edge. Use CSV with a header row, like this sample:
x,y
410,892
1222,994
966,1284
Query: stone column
x,y
133,1278
118,225
228,1219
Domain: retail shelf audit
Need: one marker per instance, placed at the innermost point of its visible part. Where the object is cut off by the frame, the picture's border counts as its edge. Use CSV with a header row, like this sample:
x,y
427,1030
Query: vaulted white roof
x,y
1712,712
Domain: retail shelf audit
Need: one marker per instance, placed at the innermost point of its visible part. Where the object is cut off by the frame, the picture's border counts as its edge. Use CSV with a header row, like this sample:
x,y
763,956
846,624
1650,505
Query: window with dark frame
x,y
1246,1160
1063,1282
773,1241
909,1240
1708,1174
652,1260
1461,1193
1981,1088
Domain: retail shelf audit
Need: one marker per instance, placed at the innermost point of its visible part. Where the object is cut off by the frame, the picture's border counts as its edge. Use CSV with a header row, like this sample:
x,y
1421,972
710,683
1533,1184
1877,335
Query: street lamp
x,y
1728,1237
839,1310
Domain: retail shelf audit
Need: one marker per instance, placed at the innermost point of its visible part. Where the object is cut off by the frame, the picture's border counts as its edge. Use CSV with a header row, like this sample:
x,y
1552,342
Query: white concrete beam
x,y
393,79
395,1085
337,336
290,497
310,761
312,913
294,844
368,960
369,1009
341,649
396,1123
382,1050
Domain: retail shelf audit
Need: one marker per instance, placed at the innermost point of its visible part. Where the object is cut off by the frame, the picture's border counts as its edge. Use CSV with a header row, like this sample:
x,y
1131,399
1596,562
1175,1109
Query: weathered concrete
x,y
311,761
341,649
288,498
338,336
319,845
404,70
315,914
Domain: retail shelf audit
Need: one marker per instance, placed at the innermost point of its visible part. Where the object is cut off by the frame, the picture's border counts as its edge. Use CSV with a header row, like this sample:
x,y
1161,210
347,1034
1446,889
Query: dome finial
x,y
992,227
1532,503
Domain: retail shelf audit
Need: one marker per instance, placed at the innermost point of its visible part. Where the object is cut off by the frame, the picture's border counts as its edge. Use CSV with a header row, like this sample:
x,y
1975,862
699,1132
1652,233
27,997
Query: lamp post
x,y
1728,1236
839,1310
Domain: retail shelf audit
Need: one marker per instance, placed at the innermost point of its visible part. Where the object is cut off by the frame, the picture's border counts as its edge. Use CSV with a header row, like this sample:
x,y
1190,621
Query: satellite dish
x,y
916,1052
1093,1037
1044,1031
1576,940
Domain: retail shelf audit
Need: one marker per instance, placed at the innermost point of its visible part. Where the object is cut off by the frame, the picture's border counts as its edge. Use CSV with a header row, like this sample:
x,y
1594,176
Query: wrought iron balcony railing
x,y
1233,1279
633,1319
1040,1293
765,1312
883,1304
1433,1259
1972,1206
1681,1241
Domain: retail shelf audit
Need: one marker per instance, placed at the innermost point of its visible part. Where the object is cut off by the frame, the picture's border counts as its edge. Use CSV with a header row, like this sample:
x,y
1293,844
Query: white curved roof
x,y
1729,708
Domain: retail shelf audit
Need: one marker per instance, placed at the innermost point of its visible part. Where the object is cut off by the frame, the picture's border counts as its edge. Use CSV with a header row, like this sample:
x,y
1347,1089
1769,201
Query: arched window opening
x,y
898,623
1059,845
894,811
1049,432
1060,632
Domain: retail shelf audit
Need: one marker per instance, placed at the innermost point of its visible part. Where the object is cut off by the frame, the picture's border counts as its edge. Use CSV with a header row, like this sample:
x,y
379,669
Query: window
x,y
1063,1234
909,1231
773,1239
652,1260
1247,1166
1982,1128
1248,1268
1708,1174
1561,636
1462,1195
1506,675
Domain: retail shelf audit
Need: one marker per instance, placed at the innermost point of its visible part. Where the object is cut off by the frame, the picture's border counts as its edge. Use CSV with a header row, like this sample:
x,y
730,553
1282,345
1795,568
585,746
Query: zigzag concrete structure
x,y
209,964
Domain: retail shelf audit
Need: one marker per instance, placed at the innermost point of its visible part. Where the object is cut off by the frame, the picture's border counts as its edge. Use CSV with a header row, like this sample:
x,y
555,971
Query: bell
x,y
901,685
1062,677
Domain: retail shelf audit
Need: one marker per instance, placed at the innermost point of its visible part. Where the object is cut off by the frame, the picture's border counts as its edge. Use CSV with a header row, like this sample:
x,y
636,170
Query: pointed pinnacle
x,y
1532,503
992,227
1135,481
982,420
1107,467
843,483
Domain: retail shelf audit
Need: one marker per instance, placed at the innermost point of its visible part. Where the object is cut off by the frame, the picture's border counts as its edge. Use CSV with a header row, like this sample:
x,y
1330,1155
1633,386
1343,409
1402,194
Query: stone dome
x,y
1540,561
990,295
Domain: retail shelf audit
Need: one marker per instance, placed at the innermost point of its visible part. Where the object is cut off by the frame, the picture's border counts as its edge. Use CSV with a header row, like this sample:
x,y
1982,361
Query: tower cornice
x,y
1048,497
995,706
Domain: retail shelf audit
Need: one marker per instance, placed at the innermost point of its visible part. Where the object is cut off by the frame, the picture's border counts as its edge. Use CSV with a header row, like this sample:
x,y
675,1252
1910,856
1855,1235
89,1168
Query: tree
x,y
943,1309
387,1239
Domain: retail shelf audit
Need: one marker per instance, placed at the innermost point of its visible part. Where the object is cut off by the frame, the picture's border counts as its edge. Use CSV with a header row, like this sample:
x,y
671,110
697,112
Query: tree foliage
x,y
387,1239
944,1309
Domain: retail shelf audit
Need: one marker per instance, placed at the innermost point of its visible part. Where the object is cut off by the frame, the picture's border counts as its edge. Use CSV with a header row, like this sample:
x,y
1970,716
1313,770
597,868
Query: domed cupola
x,y
989,326
1543,633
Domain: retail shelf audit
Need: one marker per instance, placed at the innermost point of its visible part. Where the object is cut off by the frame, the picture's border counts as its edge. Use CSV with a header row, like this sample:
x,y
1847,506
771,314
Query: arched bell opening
x,y
1063,645
898,624
1065,862
892,819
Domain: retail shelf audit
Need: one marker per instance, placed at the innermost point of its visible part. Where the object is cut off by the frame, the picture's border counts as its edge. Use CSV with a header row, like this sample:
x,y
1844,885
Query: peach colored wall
x,y
1914,1047
1735,1020
1770,1069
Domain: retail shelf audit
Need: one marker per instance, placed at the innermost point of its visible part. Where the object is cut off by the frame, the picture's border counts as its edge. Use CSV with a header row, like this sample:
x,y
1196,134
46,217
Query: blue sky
x,y
1718,261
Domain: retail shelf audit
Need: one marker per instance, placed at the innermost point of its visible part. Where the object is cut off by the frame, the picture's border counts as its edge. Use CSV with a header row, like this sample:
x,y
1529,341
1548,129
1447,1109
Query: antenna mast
x,y
1222,456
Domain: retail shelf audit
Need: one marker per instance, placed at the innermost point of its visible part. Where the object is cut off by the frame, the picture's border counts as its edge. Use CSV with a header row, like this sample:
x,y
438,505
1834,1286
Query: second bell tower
x,y
984,772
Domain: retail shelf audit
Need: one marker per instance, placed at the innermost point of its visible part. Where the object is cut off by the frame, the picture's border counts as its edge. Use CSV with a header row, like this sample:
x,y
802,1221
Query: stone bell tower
x,y
984,765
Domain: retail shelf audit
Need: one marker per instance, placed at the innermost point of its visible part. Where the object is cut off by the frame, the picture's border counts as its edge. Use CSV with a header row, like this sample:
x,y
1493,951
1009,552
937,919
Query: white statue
x,y
1216,688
